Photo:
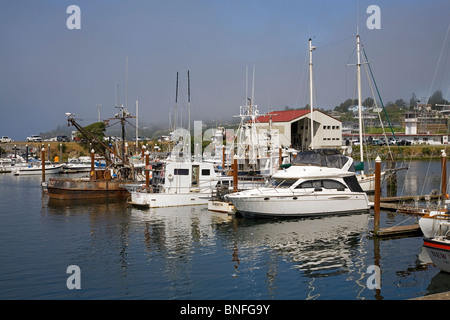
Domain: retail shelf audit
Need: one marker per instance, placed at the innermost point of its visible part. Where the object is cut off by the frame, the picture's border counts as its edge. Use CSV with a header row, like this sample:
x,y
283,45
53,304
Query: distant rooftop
x,y
283,116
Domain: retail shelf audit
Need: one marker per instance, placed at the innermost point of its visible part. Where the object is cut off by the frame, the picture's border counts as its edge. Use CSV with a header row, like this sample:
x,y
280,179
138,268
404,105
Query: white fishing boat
x,y
319,182
176,184
435,223
438,249
11,163
81,164
221,206
36,169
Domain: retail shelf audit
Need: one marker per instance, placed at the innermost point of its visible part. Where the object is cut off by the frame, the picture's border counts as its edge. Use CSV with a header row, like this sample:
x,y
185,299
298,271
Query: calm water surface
x,y
191,253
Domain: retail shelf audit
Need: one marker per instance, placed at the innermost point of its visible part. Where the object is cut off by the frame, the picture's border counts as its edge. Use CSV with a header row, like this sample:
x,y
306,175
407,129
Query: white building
x,y
293,128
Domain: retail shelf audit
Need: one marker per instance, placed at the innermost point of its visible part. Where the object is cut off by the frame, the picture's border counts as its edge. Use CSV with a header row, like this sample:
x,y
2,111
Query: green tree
x,y
369,102
97,129
413,101
436,98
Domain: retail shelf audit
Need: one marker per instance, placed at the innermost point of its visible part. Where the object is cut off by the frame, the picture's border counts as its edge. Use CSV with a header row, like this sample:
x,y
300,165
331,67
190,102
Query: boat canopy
x,y
330,158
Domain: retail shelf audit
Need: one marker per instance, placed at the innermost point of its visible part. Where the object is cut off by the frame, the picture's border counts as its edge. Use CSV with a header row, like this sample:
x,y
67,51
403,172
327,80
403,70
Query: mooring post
x,y
376,205
147,173
223,157
235,174
43,163
92,165
444,176
280,157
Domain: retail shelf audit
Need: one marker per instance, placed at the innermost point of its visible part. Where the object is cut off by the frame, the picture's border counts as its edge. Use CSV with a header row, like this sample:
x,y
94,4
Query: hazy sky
x,y
48,70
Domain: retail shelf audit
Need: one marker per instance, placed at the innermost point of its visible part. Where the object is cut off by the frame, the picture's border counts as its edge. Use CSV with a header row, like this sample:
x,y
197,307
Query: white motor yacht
x,y
319,182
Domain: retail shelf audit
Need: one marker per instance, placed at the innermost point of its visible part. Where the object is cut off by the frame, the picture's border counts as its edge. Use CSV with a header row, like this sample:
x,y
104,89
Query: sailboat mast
x,y
176,107
137,125
189,104
311,48
358,71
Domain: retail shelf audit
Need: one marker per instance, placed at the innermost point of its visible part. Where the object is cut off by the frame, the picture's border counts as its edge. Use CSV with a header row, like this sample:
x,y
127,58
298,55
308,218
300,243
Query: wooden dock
x,y
437,296
411,230
410,198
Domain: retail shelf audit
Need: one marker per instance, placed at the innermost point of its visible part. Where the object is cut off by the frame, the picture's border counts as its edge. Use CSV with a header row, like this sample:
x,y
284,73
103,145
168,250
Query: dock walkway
x,y
437,296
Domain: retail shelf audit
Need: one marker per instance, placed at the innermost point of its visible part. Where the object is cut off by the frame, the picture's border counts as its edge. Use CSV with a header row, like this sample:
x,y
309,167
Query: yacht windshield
x,y
281,183
321,157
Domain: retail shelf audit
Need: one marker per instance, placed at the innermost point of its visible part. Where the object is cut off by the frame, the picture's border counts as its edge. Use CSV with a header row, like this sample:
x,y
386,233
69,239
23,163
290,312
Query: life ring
x,y
170,177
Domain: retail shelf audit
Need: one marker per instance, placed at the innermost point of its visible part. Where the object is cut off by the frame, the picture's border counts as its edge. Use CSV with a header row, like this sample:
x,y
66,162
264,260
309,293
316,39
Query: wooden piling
x,y
444,175
280,157
43,163
147,173
376,215
390,231
223,157
235,174
92,165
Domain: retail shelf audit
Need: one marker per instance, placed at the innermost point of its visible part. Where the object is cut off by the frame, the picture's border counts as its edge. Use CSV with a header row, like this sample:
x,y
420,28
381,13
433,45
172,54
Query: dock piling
x,y
147,173
235,174
43,163
376,215
92,165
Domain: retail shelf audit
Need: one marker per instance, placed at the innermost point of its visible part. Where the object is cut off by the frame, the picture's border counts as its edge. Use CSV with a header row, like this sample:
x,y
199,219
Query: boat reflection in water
x,y
317,247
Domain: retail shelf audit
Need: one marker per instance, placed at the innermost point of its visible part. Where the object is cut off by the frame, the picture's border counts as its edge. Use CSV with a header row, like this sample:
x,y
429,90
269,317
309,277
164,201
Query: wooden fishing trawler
x,y
101,184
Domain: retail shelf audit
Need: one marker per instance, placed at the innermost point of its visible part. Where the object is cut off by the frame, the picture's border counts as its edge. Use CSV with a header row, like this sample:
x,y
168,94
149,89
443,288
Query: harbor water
x,y
190,253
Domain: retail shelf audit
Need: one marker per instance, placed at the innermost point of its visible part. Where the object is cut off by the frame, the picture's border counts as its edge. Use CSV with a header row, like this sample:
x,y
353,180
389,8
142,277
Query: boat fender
x,y
170,177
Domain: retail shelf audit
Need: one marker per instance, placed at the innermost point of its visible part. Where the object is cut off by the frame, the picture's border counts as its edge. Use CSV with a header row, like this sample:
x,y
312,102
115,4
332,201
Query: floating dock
x,y
411,230
437,296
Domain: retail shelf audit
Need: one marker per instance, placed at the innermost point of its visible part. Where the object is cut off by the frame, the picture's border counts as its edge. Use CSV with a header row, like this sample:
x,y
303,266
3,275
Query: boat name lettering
x,y
439,255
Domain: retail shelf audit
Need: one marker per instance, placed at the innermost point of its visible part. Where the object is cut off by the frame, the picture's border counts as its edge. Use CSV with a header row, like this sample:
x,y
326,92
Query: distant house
x,y
293,128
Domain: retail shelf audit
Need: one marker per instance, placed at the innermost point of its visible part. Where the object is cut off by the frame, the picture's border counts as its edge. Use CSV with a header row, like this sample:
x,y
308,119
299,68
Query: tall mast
x,y
358,71
189,104
126,84
176,106
137,125
311,48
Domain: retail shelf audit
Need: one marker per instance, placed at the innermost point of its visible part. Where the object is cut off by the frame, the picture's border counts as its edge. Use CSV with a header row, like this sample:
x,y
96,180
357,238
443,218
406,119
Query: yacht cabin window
x,y
326,183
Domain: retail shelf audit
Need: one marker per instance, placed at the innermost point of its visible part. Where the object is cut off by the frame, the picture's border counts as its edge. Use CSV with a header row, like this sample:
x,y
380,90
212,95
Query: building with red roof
x,y
293,128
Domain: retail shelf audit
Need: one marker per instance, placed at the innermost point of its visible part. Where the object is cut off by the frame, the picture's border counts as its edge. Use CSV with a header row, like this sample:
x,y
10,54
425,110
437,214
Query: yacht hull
x,y
300,205
159,200
439,252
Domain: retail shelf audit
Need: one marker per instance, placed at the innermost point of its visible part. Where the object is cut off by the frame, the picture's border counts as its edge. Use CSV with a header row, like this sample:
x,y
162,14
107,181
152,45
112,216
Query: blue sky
x,y
47,70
